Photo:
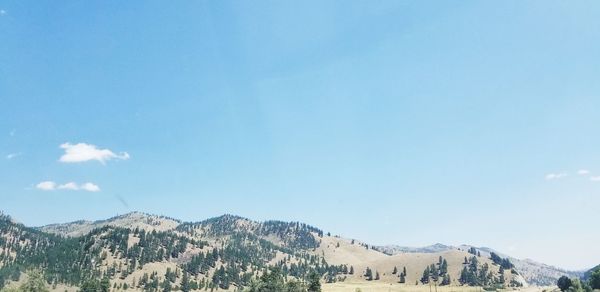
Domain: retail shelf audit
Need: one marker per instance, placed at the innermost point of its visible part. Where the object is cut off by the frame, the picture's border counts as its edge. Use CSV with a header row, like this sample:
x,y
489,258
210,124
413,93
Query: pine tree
x,y
185,282
368,274
395,270
463,276
446,280
35,283
105,285
425,277
166,286
314,283
444,267
433,272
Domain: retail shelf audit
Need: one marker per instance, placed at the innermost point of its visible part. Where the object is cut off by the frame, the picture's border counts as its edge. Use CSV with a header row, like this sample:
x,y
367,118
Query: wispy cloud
x,y
583,172
46,186
13,155
82,152
2,12
595,178
552,176
70,186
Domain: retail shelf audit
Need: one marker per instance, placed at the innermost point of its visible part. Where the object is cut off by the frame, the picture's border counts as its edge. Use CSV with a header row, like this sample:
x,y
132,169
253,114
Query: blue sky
x,y
392,122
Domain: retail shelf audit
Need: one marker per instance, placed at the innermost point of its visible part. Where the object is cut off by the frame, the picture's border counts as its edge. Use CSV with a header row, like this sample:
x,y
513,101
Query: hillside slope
x,y
131,220
533,273
146,252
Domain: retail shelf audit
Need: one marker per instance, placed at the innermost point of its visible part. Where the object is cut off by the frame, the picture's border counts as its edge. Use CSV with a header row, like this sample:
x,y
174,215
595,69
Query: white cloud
x,y
13,155
82,152
583,172
46,186
552,176
2,12
90,187
595,178
70,186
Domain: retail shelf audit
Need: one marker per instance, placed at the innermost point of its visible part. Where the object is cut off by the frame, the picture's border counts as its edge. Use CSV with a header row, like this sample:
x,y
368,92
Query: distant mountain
x,y
141,251
396,249
534,273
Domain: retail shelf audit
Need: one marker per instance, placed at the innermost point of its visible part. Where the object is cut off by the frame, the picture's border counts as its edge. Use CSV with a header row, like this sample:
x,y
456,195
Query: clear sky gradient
x,y
393,122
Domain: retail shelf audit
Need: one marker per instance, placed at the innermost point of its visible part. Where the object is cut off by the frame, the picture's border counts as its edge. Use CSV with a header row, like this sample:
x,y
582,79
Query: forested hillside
x,y
144,252
219,253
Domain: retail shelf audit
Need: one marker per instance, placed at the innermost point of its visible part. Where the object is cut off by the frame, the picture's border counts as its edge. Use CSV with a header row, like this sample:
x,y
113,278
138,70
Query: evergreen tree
x,y
463,276
563,283
444,267
433,272
185,282
368,274
270,281
166,286
34,283
314,282
426,274
105,285
90,286
445,280
295,286
594,280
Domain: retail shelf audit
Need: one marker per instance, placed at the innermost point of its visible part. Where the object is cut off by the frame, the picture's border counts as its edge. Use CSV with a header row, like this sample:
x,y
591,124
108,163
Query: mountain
x,y
396,249
147,252
130,220
586,276
143,251
533,273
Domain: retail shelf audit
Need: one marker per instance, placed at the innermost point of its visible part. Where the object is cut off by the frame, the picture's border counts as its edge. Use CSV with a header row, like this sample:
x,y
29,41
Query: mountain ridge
x,y
387,249
202,249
